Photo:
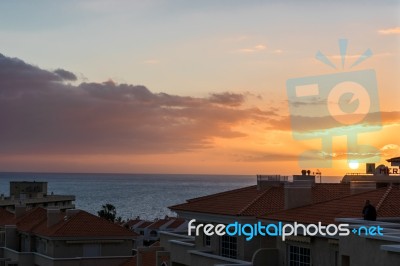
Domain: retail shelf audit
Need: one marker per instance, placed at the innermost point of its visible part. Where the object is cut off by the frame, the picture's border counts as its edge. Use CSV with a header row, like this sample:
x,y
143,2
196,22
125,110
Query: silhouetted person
x,y
369,211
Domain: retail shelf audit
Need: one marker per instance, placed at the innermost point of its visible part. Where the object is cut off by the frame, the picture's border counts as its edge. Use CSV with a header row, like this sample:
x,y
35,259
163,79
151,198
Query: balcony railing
x,y
278,178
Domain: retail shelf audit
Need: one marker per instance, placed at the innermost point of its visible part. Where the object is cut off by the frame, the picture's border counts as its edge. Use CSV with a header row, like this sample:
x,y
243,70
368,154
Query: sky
x,y
198,86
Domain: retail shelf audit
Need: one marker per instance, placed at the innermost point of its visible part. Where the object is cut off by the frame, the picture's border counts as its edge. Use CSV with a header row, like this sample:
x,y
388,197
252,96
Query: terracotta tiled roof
x,y
148,256
84,224
390,204
250,201
130,262
158,224
144,225
6,217
133,222
156,244
345,207
176,223
31,219
81,224
235,202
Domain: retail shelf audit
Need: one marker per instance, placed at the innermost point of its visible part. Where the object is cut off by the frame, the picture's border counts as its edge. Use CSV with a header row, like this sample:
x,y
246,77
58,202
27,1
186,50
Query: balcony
x,y
183,250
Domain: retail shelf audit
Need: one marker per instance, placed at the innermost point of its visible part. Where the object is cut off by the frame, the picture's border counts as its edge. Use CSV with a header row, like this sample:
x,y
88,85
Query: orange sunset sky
x,y
188,86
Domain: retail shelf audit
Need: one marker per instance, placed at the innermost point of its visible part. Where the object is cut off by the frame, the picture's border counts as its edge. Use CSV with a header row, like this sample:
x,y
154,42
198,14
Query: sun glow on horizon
x,y
354,165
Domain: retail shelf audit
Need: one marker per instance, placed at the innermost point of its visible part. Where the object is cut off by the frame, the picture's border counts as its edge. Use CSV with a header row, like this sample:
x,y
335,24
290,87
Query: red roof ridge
x,y
158,223
64,222
342,197
176,223
220,193
77,216
254,200
322,202
384,197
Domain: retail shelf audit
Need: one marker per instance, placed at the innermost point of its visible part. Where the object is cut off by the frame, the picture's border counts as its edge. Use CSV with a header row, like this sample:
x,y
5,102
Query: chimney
x,y
299,192
20,209
53,216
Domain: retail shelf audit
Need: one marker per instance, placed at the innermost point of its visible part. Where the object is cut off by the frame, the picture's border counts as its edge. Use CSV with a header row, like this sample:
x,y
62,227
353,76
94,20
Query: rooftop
x,y
176,223
157,224
79,224
148,256
395,159
386,200
251,201
6,217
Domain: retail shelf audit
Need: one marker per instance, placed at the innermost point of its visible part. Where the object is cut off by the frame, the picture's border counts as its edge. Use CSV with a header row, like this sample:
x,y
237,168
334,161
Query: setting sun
x,y
354,165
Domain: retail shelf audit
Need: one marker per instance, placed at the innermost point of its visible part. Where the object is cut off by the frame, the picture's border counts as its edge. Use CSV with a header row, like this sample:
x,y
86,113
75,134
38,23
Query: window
x,y
2,238
41,245
207,241
91,250
229,246
345,260
25,244
153,233
336,258
299,256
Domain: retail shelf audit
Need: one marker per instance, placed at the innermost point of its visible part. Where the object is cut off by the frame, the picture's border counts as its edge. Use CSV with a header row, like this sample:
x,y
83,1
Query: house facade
x,y
40,237
34,194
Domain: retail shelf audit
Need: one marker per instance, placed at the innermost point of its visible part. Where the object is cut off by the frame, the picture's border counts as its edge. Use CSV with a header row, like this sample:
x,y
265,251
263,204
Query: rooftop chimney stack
x,y
299,192
20,209
53,216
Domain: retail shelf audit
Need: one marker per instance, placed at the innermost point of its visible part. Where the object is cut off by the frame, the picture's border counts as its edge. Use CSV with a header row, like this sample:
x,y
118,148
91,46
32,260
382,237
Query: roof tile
x,y
250,201
346,207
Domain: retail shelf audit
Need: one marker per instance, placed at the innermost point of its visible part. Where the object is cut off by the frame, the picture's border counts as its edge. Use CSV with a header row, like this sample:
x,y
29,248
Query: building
x,y
276,198
49,237
149,231
149,256
345,250
34,194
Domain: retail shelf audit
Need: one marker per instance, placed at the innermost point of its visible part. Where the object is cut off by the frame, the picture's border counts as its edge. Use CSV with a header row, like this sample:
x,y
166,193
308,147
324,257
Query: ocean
x,y
145,195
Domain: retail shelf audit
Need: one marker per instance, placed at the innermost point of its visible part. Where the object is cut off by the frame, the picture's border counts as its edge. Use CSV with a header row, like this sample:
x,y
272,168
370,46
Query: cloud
x,y
390,31
41,114
65,75
256,48
265,157
390,150
312,124
228,98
